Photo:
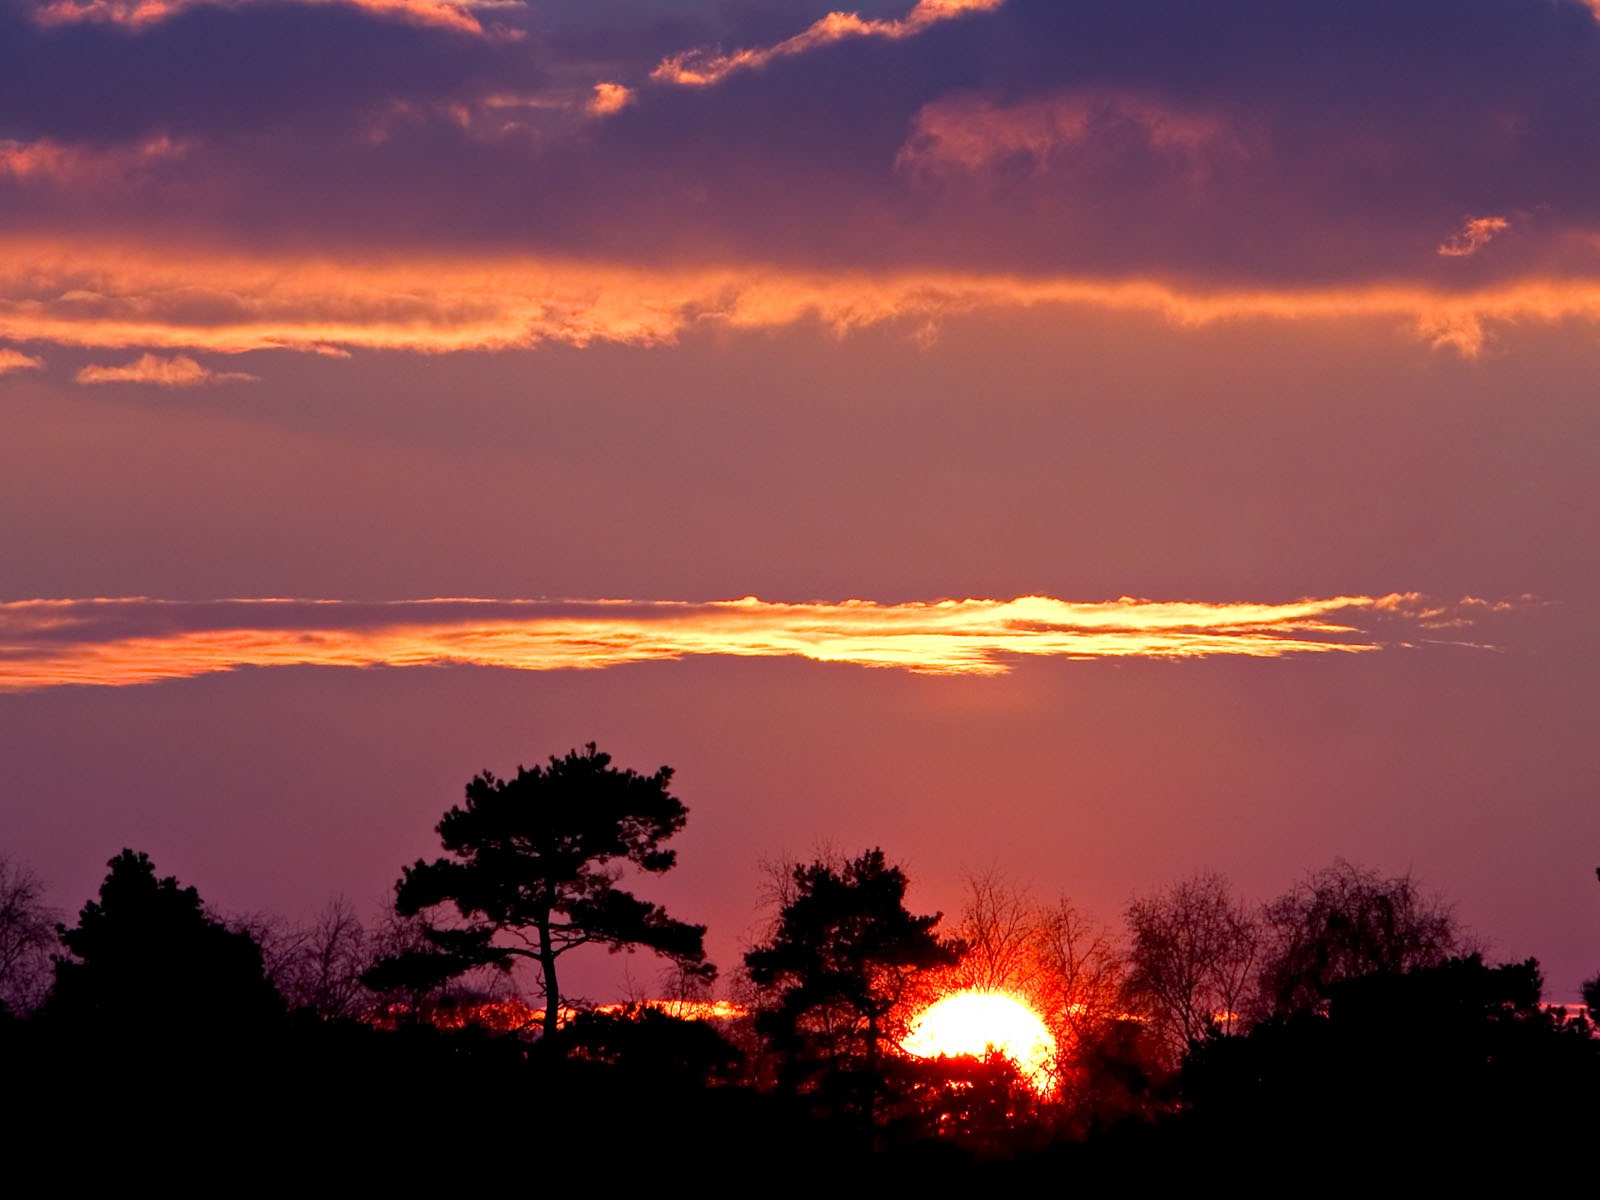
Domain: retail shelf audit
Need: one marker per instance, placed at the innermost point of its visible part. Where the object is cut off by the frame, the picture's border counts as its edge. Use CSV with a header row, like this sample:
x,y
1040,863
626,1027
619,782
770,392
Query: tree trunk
x,y
552,993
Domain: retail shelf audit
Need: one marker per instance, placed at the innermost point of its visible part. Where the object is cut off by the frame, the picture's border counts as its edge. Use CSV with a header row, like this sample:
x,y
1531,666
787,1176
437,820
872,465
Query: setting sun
x,y
972,1023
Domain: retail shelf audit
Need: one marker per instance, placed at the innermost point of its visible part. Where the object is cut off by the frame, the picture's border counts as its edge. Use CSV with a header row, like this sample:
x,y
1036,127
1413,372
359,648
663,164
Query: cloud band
x,y
49,643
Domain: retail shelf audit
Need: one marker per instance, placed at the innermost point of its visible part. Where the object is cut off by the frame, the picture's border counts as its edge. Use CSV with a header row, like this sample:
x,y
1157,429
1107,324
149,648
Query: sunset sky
x,y
1102,439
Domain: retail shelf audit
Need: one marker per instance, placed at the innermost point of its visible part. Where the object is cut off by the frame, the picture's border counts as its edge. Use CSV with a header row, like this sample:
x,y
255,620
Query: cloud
x,y
609,98
1204,161
178,372
1474,234
67,164
50,643
16,360
114,297
137,14
964,134
703,66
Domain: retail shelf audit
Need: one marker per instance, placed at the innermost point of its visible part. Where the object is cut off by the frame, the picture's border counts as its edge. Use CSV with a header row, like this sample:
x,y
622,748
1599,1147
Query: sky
x,y
1101,440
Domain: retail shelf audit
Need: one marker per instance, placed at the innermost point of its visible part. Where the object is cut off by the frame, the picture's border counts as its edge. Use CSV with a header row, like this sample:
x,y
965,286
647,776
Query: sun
x,y
973,1023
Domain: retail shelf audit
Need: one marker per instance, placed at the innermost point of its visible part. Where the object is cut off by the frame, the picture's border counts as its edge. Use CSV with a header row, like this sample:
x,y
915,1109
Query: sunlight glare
x,y
973,1022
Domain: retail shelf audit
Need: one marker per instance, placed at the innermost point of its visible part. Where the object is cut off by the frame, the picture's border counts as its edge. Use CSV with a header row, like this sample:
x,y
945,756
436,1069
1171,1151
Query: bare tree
x,y
1061,962
1082,974
27,938
1001,925
1345,921
1193,955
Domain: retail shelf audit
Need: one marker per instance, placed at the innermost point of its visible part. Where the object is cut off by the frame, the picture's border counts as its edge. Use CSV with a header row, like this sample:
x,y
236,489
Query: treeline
x,y
1351,1014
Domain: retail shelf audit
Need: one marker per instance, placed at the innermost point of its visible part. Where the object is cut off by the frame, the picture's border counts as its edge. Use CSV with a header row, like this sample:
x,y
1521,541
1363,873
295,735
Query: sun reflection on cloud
x,y
118,296
48,643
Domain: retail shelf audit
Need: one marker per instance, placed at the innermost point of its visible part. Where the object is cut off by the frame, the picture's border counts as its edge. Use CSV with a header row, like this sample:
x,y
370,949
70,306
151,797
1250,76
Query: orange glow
x,y
120,296
973,1023
48,643
518,1016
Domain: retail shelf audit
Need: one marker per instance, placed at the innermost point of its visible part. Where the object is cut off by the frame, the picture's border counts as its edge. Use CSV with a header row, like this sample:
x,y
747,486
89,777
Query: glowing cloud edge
x,y
117,642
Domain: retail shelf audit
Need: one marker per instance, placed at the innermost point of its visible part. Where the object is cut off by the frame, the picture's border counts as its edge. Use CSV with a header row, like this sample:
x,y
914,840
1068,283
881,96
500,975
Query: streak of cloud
x,y
966,134
118,298
58,163
138,14
1475,233
16,360
179,371
702,66
50,643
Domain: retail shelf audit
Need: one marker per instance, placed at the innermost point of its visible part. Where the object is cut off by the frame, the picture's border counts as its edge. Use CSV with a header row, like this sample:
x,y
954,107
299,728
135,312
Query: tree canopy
x,y
146,956
1345,921
839,965
533,871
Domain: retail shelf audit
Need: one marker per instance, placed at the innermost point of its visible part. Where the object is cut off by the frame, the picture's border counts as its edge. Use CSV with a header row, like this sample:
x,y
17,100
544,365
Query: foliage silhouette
x,y
146,957
531,876
843,960
1459,1054
1344,922
652,1046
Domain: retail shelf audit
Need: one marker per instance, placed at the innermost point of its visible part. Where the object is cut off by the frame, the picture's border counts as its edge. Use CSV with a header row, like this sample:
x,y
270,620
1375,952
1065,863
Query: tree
x,y
836,973
27,938
1053,957
147,958
1343,922
1456,1062
317,967
1192,960
531,875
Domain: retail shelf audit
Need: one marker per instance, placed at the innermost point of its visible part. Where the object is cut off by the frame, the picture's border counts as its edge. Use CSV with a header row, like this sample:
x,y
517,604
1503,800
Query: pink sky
x,y
1201,304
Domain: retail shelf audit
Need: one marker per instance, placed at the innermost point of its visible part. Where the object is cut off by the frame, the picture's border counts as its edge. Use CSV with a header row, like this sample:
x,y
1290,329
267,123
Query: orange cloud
x,y
49,643
111,296
609,98
16,360
139,13
702,67
66,163
1474,234
180,371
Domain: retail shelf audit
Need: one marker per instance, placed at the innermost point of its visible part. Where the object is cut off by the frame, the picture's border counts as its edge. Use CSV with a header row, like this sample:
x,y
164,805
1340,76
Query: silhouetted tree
x,y
1453,1059
841,962
1344,922
27,938
147,958
652,1045
317,965
531,875
1192,960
